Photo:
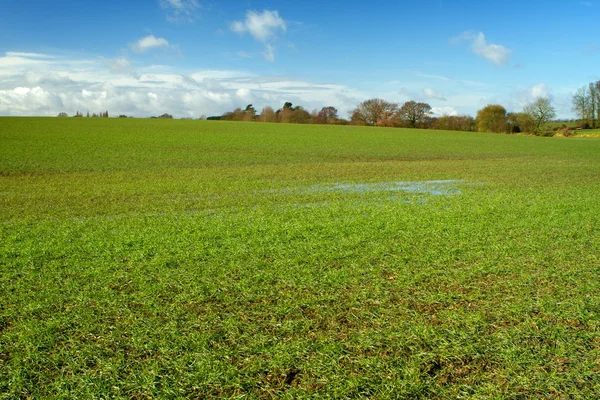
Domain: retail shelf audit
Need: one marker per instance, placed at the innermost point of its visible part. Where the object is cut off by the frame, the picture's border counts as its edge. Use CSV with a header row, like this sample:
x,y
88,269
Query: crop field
x,y
197,259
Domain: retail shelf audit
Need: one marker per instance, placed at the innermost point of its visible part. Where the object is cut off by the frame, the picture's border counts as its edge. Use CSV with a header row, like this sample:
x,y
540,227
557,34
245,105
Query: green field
x,y
589,132
194,259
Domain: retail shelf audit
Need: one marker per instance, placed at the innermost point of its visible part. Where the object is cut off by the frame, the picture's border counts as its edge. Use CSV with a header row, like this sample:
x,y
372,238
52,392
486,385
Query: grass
x,y
589,132
145,258
550,126
570,124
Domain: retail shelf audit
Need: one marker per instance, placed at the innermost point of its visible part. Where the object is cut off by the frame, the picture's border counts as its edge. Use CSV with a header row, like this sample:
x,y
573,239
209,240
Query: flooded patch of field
x,y
434,187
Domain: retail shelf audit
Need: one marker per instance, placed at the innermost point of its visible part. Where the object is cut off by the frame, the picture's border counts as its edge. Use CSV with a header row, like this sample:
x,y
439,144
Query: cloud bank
x,y
45,85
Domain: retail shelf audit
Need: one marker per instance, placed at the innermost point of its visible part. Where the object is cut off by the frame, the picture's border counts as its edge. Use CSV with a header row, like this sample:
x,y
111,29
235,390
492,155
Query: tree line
x,y
411,114
286,114
373,112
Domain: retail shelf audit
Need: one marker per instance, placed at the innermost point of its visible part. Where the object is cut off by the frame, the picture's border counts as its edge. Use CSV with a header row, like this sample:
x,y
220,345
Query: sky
x,y
198,57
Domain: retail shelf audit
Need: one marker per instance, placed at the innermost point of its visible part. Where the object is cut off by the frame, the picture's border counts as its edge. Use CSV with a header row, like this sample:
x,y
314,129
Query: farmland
x,y
151,258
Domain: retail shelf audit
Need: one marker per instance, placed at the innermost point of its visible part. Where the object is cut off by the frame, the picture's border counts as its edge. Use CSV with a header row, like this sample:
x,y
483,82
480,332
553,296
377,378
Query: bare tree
x,y
414,113
375,112
249,113
267,115
327,115
284,114
594,89
582,105
389,116
593,103
540,112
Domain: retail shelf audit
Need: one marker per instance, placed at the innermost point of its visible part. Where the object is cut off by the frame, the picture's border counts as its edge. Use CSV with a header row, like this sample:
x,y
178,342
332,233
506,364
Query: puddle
x,y
437,187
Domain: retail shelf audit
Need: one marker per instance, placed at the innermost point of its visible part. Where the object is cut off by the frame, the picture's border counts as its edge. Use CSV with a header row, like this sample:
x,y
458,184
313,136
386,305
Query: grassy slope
x,y
183,258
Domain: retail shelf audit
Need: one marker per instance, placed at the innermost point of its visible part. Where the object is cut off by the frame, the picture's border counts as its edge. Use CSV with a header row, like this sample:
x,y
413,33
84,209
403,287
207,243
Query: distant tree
x,y
235,115
454,123
202,117
88,114
597,93
594,89
285,114
357,117
593,104
513,122
414,113
314,117
520,122
166,116
374,112
267,115
540,112
327,115
299,116
122,116
390,115
105,114
492,118
249,113
214,118
63,114
582,105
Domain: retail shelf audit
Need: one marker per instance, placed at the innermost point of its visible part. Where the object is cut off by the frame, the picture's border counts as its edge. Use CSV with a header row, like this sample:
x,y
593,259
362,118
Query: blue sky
x,y
195,57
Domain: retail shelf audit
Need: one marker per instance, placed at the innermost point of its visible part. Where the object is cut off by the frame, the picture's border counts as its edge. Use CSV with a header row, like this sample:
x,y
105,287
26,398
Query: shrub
x,y
566,132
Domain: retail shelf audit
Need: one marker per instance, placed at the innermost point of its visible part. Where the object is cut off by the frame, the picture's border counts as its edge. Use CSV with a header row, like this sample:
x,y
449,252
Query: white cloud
x,y
432,94
529,95
28,55
243,54
263,27
22,100
21,91
539,90
444,111
149,42
121,65
269,53
494,53
180,10
13,60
